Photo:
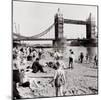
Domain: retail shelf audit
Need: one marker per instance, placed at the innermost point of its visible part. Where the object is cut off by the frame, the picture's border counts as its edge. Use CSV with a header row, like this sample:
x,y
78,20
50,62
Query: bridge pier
x,y
59,44
59,22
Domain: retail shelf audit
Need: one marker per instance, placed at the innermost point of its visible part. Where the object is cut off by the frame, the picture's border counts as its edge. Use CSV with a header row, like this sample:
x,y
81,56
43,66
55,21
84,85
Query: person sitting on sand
x,y
36,66
16,79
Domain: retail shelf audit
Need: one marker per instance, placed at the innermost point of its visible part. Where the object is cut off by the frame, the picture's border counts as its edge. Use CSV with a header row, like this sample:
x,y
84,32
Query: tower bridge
x,y
59,22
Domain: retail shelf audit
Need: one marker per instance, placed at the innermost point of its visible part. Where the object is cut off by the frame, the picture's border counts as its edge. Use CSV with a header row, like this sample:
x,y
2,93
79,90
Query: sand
x,y
81,80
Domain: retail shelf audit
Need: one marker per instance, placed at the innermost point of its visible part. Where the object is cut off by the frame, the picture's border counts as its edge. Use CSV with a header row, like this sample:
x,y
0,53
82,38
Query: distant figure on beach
x,y
87,57
59,79
81,57
57,55
34,53
40,53
36,66
95,60
71,59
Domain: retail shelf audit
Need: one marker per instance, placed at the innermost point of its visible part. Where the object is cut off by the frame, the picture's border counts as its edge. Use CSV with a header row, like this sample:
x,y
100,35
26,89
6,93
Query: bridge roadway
x,y
48,39
69,21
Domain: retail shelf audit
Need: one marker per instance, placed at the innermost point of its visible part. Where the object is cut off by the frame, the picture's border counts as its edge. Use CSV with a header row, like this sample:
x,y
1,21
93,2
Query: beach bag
x,y
59,81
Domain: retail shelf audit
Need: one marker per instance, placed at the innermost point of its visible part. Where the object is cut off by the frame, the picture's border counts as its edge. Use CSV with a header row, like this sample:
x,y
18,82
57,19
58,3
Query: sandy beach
x,y
81,80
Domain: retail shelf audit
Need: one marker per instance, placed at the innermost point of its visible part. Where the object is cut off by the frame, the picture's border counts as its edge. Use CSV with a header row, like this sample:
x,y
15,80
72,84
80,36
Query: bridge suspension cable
x,y
42,33
35,36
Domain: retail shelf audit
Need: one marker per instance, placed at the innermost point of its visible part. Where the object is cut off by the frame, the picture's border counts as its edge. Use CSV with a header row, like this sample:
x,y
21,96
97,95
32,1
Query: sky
x,y
31,18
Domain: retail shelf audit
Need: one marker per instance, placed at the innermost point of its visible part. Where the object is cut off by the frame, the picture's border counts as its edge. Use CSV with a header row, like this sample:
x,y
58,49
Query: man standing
x,y
81,57
71,59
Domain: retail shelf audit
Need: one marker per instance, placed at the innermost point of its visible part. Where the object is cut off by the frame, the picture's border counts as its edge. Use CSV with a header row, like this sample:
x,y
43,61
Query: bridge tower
x,y
58,25
59,22
89,27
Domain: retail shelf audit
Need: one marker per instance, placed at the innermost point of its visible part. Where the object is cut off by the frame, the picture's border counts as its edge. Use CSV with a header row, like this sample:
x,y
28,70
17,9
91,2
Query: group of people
x,y
88,59
23,55
59,77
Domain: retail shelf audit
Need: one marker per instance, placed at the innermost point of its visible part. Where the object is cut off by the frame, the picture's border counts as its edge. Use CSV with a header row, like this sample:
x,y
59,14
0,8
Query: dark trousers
x,y
41,69
70,62
81,60
57,91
